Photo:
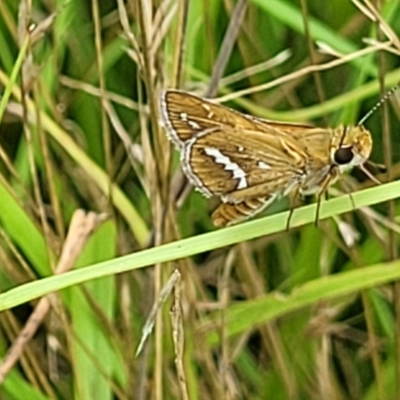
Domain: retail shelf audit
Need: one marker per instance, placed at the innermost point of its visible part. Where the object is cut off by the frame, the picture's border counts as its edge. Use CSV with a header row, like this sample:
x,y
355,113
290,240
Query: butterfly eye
x,y
343,155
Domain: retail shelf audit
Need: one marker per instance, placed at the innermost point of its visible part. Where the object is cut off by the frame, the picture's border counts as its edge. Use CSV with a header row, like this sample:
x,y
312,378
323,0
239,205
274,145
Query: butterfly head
x,y
351,146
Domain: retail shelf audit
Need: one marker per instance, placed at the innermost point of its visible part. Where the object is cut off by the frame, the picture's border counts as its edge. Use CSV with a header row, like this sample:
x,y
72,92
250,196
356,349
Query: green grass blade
x,y
198,244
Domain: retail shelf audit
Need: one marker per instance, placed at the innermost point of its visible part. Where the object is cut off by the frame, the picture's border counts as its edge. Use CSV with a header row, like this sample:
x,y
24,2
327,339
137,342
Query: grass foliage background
x,y
257,311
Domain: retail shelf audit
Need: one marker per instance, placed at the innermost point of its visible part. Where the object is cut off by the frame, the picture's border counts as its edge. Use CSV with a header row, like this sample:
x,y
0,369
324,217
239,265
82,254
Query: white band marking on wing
x,y
238,172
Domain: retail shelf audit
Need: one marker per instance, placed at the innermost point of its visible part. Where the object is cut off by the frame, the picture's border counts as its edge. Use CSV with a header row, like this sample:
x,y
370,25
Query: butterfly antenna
x,y
378,104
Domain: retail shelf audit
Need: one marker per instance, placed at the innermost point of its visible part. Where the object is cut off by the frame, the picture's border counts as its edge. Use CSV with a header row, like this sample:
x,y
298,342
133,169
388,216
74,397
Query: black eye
x,y
343,155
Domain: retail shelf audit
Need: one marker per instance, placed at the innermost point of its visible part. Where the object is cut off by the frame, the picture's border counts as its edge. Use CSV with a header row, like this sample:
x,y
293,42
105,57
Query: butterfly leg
x,y
347,189
294,203
332,176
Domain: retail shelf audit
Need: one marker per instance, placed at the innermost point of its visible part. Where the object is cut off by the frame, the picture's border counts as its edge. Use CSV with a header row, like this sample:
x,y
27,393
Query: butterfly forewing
x,y
186,115
244,166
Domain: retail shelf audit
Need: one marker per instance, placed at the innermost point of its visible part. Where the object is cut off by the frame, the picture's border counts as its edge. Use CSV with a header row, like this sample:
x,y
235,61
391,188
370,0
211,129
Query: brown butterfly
x,y
249,162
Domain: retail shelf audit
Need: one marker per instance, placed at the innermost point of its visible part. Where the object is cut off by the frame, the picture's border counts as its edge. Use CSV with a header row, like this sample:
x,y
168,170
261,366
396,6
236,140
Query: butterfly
x,y
249,162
